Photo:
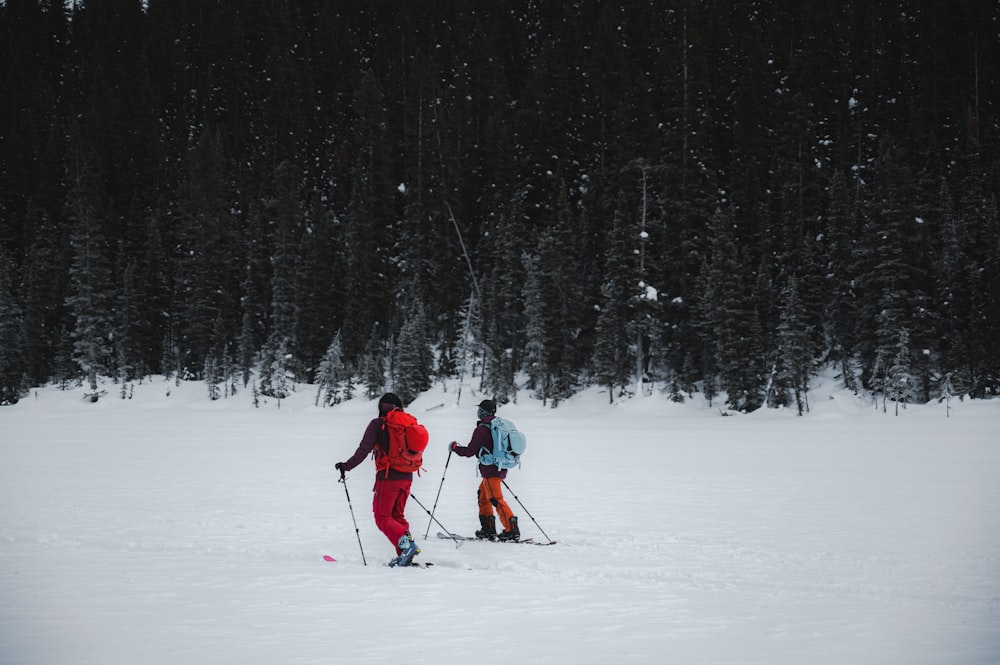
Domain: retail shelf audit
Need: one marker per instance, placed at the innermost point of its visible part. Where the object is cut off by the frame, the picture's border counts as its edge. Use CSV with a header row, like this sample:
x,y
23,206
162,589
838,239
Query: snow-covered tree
x,y
90,294
795,364
411,357
332,377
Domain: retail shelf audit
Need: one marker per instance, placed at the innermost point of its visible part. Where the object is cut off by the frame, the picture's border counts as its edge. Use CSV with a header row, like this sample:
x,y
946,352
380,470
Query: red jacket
x,y
482,438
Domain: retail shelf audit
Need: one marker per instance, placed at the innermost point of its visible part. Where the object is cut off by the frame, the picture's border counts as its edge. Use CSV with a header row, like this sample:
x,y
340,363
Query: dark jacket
x,y
482,438
376,439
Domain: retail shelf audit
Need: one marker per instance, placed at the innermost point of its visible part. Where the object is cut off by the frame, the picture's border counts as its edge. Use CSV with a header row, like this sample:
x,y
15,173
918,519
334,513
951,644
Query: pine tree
x,y
609,366
980,226
949,292
411,356
502,314
701,363
127,336
332,376
279,362
372,366
149,294
731,323
461,362
990,329
214,374
65,371
11,344
203,258
43,278
560,254
901,383
894,276
89,299
275,369
251,323
319,270
536,357
839,314
616,329
643,298
795,362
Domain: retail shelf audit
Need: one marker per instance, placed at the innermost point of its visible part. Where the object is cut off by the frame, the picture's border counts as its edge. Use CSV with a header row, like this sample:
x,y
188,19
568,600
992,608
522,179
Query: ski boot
x,y
407,550
489,530
513,533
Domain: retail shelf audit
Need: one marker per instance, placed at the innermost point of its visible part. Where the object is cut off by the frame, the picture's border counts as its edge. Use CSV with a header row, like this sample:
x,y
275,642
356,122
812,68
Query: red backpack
x,y
407,442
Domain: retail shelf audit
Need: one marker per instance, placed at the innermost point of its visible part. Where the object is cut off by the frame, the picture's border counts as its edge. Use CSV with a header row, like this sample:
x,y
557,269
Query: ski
x,y
413,564
456,536
522,541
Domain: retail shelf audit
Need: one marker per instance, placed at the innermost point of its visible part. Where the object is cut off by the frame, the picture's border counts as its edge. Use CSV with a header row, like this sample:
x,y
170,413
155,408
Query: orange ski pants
x,y
491,496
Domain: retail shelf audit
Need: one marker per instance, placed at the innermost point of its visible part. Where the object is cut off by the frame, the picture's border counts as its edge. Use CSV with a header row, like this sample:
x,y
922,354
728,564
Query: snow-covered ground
x,y
177,530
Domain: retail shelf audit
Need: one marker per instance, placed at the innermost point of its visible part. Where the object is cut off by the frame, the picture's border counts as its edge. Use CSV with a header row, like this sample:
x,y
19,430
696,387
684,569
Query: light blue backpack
x,y
508,445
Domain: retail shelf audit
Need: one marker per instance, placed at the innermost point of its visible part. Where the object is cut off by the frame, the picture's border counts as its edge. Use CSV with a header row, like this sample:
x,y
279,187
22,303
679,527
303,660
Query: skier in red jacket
x,y
392,487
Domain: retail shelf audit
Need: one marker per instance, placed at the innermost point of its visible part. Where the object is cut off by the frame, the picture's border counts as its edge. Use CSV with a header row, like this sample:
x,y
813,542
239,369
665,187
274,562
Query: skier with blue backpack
x,y
498,446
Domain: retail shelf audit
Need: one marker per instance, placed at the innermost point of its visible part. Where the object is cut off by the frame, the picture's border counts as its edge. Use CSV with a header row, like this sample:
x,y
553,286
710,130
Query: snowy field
x,y
176,530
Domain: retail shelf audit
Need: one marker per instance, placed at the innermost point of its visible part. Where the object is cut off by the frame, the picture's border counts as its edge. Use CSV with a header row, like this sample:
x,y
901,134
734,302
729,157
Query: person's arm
x,y
481,438
365,447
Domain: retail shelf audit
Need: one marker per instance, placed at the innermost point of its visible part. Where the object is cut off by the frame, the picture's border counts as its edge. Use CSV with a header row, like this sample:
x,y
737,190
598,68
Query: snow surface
x,y
177,530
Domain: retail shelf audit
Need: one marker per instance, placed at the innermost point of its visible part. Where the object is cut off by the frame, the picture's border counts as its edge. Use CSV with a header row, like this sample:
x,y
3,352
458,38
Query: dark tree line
x,y
687,196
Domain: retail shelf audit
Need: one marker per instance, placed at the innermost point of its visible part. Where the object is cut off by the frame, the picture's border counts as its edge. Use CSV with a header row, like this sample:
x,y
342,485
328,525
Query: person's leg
x,y
384,506
483,498
399,505
406,546
487,523
493,489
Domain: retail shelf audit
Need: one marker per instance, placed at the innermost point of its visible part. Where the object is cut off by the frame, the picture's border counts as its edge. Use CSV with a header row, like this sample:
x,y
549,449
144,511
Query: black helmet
x,y
488,407
390,398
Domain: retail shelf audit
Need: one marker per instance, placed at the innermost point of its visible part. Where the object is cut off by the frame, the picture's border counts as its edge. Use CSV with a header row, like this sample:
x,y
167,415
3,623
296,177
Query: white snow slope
x,y
170,529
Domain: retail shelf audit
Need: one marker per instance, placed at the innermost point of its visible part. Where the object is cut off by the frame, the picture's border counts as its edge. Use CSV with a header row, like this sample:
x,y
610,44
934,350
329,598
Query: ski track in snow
x,y
175,530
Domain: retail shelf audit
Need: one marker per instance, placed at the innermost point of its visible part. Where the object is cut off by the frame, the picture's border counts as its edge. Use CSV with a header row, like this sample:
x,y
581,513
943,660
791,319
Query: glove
x,y
339,466
453,445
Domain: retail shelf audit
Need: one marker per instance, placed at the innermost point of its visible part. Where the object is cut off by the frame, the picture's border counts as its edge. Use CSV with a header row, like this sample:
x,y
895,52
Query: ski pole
x,y
343,480
526,510
458,541
434,509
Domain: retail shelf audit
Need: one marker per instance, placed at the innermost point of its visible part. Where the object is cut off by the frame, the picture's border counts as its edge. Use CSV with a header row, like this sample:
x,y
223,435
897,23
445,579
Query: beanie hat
x,y
488,406
391,398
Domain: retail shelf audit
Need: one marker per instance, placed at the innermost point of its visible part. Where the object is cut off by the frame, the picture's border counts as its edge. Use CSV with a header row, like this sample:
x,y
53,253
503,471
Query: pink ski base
x,y
327,557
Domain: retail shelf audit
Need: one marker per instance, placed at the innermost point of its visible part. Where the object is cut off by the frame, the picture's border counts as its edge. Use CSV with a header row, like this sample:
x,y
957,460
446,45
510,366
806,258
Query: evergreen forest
x,y
685,196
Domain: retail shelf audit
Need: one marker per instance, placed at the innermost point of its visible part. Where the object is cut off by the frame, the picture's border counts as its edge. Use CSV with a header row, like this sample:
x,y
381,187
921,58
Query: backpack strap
x,y
377,451
486,455
484,451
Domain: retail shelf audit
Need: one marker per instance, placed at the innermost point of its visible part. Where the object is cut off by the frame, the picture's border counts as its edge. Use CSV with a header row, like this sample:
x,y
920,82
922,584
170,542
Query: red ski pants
x,y
490,497
388,505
